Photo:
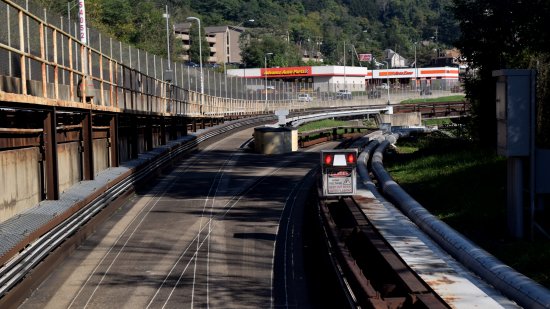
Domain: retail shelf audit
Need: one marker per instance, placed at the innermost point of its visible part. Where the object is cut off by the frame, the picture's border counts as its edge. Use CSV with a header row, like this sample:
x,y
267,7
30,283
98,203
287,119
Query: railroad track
x,y
376,276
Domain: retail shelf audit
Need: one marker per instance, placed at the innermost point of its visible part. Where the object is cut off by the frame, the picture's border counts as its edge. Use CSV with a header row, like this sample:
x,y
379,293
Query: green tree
x,y
284,54
194,49
501,35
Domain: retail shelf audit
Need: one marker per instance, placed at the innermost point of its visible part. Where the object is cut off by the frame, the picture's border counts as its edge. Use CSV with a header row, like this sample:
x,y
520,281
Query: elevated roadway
x,y
221,229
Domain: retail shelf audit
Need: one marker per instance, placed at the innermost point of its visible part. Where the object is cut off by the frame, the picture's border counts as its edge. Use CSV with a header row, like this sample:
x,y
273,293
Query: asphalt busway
x,y
35,240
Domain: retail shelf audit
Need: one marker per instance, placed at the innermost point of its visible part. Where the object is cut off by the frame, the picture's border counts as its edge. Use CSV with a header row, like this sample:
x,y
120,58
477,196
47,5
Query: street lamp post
x,y
200,50
226,55
168,73
415,69
387,79
265,73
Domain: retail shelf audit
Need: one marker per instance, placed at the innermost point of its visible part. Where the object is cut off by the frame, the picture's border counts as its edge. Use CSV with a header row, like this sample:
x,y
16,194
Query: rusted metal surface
x,y
436,109
87,147
50,156
310,138
113,140
377,276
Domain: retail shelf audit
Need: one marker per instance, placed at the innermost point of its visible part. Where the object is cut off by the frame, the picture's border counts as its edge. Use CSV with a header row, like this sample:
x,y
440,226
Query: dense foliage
x,y
504,35
288,25
492,34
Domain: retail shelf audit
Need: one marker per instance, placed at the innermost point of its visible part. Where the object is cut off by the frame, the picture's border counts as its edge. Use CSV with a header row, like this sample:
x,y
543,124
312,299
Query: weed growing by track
x,y
452,98
465,186
322,124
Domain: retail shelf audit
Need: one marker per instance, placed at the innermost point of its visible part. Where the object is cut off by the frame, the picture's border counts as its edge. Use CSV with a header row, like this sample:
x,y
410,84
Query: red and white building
x,y
334,78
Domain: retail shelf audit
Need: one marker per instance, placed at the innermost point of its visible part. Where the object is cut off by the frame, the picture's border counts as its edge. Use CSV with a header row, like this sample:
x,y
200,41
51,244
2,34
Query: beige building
x,y
223,42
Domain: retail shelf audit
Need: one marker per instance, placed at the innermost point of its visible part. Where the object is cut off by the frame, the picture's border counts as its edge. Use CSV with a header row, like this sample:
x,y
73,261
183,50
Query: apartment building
x,y
223,42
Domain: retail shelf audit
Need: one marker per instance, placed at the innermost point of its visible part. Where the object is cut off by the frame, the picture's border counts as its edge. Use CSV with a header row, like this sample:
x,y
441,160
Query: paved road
x,y
221,230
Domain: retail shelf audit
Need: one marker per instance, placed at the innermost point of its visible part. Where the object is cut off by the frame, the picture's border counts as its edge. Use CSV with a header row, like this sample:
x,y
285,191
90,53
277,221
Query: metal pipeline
x,y
516,286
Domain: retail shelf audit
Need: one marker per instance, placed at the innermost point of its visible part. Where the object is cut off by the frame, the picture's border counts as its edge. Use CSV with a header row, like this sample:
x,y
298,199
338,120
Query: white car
x,y
304,97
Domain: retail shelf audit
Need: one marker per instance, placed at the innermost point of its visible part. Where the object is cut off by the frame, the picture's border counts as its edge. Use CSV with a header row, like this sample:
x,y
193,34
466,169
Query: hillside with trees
x,y
491,34
287,26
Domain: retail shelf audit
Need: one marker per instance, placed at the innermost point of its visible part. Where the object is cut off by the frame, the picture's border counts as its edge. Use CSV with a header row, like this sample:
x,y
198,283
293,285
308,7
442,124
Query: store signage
x,y
365,57
289,71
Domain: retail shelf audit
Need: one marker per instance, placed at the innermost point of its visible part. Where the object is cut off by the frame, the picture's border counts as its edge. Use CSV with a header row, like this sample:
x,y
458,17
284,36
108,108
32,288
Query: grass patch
x,y
452,98
437,122
321,124
465,186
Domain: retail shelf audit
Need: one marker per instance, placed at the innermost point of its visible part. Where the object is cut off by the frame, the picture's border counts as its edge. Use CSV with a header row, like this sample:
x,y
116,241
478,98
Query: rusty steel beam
x,y
162,121
148,133
87,146
113,140
50,155
134,137
9,142
174,123
184,125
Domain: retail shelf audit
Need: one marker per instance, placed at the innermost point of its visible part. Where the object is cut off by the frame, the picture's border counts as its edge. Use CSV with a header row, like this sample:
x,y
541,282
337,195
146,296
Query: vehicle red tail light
x,y
350,158
328,159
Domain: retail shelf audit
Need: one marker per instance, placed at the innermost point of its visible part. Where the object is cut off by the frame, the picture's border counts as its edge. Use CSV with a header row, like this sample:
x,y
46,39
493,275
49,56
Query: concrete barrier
x,y
405,119
19,181
269,140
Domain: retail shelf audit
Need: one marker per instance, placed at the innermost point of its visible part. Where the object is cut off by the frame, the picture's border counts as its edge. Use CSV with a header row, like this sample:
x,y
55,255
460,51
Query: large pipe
x,y
514,285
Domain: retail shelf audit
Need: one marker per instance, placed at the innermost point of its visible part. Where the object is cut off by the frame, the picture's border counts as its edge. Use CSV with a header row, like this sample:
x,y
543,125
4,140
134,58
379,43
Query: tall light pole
x,y
226,42
265,73
200,50
345,84
415,68
168,73
387,78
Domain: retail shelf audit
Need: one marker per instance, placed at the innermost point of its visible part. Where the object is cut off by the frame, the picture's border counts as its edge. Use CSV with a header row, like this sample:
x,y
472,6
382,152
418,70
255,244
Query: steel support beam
x,y
87,147
174,123
162,121
113,140
184,125
148,132
134,137
50,155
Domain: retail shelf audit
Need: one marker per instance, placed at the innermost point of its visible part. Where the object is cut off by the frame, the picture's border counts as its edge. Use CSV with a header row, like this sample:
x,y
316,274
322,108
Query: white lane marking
x,y
184,168
232,202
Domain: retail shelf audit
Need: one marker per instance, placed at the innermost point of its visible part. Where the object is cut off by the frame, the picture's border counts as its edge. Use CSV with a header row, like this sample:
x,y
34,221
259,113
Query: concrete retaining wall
x,y
275,140
406,119
19,181
101,155
69,158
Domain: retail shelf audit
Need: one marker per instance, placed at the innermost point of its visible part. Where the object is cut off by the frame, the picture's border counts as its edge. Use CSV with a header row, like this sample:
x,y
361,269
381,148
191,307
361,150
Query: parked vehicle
x,y
344,94
304,97
374,94
456,88
425,91
384,86
192,64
